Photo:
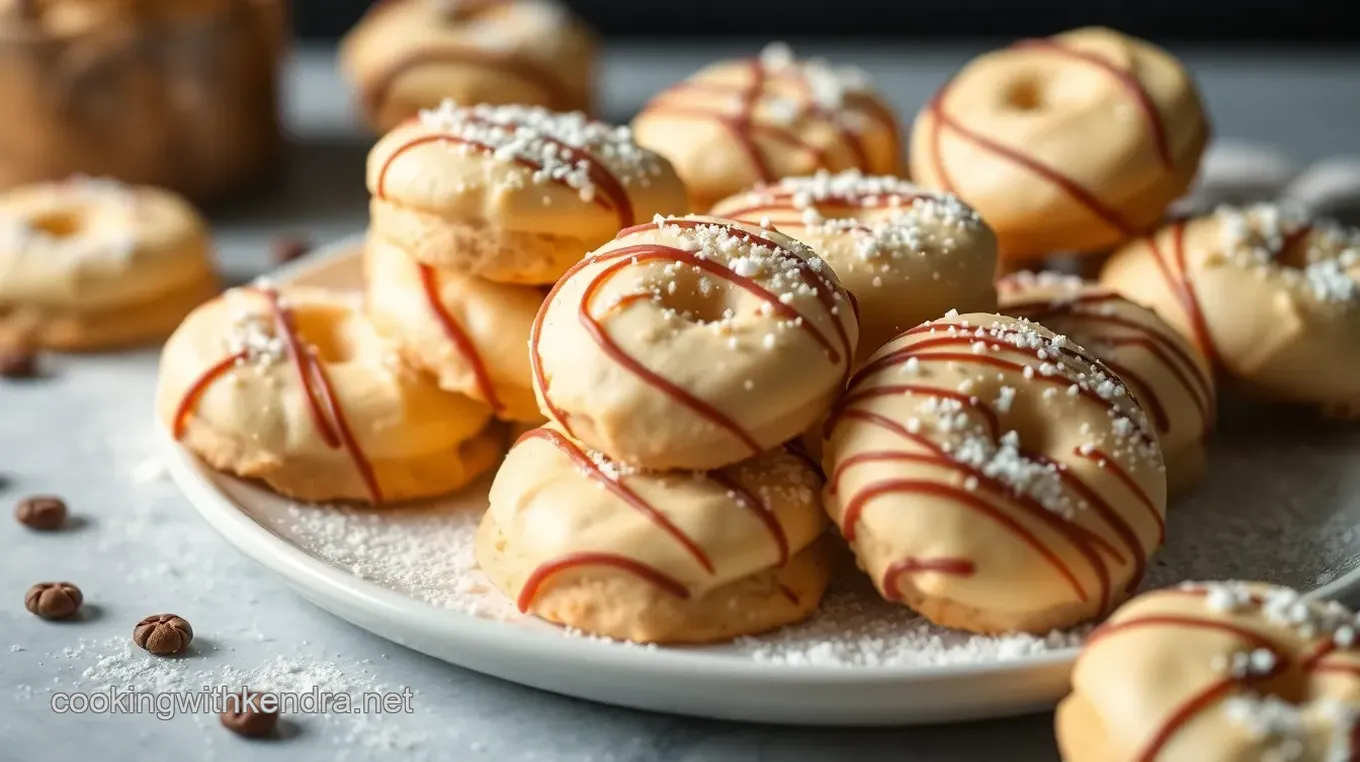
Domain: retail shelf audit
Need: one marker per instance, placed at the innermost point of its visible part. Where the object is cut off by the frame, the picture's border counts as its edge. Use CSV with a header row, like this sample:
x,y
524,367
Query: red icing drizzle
x,y
1083,196
1181,285
1211,694
541,574
779,199
1208,696
757,507
1198,385
736,490
327,414
627,256
958,567
430,285
1126,80
622,492
746,129
196,390
1083,540
558,96
1175,271
611,193
375,92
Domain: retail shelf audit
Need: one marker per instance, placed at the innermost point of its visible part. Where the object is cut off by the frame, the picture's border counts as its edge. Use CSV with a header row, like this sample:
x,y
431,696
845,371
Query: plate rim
x,y
298,567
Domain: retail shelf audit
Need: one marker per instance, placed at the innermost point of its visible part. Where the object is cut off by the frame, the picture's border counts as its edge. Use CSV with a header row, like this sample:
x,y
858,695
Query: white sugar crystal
x,y
1284,729
1226,597
1329,282
561,148
1005,398
1004,462
776,56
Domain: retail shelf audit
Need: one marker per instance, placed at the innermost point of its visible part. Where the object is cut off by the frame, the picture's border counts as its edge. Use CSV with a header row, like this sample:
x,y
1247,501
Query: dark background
x,y
1283,21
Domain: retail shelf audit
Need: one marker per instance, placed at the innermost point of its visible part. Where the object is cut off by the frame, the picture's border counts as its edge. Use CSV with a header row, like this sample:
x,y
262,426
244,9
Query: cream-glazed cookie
x,y
469,333
904,253
1269,297
93,264
659,557
734,124
408,55
296,389
1164,372
512,193
693,342
1072,143
995,477
1216,672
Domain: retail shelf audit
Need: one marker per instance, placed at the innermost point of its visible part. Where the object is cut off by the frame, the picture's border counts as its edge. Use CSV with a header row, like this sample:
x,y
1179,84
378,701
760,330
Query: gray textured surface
x,y
138,549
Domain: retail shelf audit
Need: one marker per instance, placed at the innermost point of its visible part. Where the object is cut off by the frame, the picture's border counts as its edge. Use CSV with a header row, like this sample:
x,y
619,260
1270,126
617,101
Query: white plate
x,y
1281,503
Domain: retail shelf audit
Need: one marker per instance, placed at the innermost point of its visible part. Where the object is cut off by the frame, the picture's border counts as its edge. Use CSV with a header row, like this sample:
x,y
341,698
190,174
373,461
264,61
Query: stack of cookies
x,y
660,503
475,212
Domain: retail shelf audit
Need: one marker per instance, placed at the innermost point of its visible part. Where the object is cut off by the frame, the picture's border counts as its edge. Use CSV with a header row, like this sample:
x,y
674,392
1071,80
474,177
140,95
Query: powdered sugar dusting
x,y
1283,523
889,219
1325,266
790,272
425,554
1287,728
115,663
113,239
857,628
548,146
252,332
828,84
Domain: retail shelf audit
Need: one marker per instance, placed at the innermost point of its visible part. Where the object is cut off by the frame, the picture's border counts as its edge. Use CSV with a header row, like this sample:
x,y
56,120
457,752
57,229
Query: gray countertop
x,y
137,548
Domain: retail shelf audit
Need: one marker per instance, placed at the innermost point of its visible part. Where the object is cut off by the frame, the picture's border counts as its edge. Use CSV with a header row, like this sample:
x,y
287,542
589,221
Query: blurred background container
x,y
1207,20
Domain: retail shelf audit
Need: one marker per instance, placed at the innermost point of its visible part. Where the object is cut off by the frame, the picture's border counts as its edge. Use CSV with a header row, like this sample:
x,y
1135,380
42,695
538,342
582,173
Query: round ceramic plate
x,y
1281,502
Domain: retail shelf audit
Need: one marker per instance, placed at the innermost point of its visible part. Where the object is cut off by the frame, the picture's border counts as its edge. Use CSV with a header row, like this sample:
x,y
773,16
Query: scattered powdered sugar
x,y
857,628
115,663
1283,607
888,218
1257,236
828,84
532,28
253,333
1286,728
115,238
548,146
1004,462
788,271
427,554
1242,665
1329,280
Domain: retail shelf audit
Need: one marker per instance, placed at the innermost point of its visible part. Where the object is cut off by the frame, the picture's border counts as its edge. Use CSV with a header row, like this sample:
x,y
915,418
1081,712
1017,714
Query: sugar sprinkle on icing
x,y
520,135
